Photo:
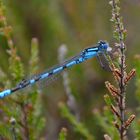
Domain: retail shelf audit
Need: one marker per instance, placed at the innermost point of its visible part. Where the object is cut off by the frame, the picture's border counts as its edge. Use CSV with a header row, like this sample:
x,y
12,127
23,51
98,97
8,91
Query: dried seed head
x,y
115,111
111,3
112,89
117,45
117,74
107,137
129,121
116,125
129,76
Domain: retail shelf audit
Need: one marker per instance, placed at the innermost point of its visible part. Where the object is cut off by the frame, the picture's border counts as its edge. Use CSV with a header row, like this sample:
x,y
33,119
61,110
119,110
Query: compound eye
x,y
101,43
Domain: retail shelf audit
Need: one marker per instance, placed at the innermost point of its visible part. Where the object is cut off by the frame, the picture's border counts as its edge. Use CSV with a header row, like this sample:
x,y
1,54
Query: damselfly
x,y
100,48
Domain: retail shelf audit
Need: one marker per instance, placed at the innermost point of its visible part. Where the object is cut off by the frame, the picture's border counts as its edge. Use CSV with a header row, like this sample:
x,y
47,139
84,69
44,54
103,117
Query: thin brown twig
x,y
122,69
120,74
24,122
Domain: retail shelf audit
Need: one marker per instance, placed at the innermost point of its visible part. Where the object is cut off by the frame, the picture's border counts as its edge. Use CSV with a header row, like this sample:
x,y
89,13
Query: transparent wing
x,y
103,62
52,77
47,81
113,53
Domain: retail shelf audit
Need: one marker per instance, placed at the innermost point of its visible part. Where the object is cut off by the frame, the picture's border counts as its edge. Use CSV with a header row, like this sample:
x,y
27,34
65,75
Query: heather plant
x,y
121,76
117,101
15,121
22,115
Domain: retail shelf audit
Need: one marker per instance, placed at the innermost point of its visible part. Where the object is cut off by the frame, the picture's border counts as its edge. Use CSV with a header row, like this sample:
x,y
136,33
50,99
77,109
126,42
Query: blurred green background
x,y
78,24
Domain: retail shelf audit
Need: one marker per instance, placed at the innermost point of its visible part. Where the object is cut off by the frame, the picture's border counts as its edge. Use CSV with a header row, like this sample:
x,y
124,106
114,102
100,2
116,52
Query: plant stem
x,y
120,30
121,84
24,122
122,98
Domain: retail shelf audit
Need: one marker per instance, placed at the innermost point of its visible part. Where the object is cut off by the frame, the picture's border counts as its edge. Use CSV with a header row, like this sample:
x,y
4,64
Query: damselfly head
x,y
104,46
99,48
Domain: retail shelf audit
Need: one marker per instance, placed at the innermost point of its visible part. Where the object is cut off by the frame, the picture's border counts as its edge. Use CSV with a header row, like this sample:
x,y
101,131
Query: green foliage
x,y
105,120
62,134
136,126
78,126
78,24
119,31
118,93
107,100
34,60
137,65
27,107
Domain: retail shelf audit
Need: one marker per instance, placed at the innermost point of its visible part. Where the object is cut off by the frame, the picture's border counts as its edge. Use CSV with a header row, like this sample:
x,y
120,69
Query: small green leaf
x,y
107,100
